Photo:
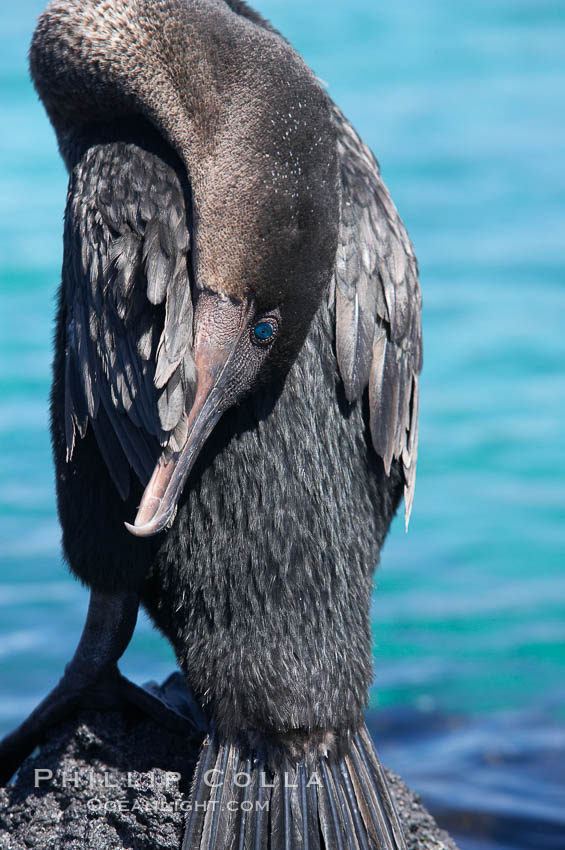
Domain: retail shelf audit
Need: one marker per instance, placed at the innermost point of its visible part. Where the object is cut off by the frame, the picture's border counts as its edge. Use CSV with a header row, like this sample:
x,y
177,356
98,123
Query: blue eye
x,y
263,331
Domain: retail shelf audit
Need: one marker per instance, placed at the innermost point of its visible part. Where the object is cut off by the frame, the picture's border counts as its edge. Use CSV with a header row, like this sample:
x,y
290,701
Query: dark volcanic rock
x,y
111,781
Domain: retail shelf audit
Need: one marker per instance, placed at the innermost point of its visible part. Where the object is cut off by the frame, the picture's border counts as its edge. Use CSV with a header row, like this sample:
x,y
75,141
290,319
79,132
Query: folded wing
x,y
378,305
129,366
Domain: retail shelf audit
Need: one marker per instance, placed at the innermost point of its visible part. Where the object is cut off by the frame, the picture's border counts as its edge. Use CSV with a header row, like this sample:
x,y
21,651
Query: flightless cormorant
x,y
236,368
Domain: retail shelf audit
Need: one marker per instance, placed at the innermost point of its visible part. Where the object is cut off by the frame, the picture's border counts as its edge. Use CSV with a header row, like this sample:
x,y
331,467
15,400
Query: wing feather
x,y
378,306
129,368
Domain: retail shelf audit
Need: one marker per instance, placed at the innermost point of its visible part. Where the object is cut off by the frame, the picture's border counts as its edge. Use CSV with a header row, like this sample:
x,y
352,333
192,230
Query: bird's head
x,y
266,214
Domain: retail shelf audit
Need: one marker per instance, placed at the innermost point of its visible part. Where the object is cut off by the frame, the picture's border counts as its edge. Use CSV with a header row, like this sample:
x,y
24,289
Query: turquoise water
x,y
464,106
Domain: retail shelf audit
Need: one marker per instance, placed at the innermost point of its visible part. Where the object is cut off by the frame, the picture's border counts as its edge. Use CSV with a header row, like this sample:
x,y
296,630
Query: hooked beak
x,y
214,366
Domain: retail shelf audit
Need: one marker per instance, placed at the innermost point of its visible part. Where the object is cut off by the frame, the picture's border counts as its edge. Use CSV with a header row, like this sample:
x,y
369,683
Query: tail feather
x,y
351,841
384,815
243,814
279,814
247,802
199,792
310,813
238,803
219,808
329,814
362,782
354,805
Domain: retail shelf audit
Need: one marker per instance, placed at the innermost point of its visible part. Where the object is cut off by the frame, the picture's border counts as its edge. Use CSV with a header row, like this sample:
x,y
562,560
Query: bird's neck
x,y
183,65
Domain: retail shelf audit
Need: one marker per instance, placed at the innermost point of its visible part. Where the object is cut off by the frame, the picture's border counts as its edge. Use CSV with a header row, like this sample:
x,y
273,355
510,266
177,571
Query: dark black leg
x,y
91,680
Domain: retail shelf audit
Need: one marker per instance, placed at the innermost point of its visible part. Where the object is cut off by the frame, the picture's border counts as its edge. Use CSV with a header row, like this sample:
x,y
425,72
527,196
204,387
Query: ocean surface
x,y
464,105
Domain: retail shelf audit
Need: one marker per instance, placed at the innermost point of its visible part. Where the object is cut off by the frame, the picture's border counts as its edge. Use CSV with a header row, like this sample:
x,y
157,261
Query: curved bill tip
x,y
160,521
159,503
158,506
